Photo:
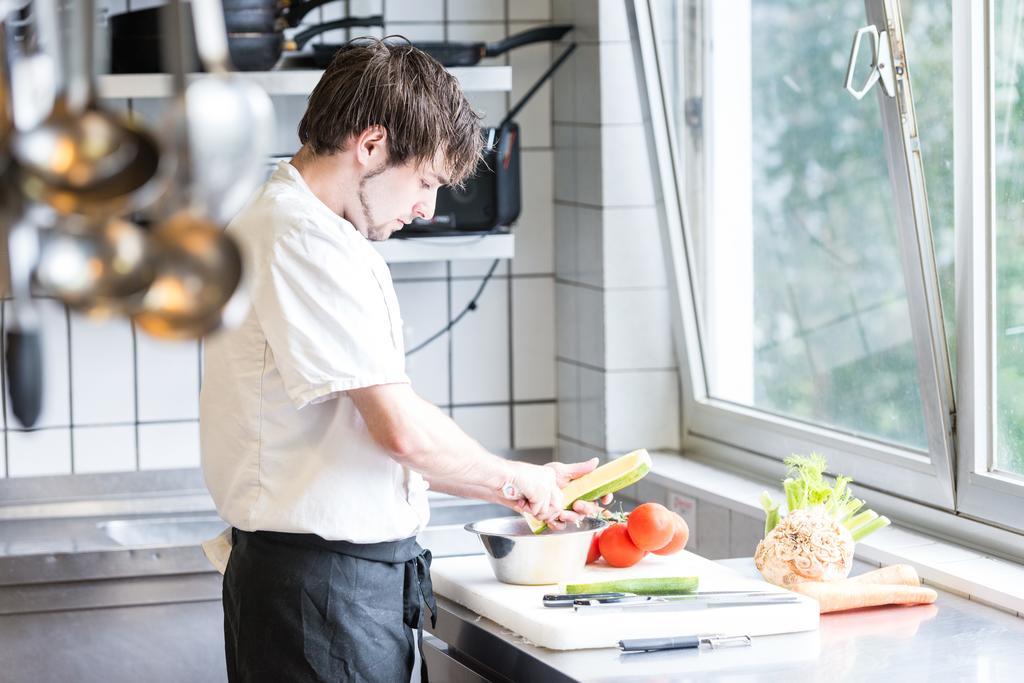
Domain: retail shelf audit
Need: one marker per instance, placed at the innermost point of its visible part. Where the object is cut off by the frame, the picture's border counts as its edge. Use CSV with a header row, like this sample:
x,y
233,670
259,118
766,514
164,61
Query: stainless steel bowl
x,y
519,556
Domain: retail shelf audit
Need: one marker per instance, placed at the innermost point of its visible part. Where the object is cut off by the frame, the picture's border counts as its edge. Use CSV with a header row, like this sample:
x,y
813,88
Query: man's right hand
x,y
538,491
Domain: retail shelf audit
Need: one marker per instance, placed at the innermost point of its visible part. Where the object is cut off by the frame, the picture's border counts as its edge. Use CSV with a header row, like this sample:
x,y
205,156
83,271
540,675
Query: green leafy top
x,y
806,487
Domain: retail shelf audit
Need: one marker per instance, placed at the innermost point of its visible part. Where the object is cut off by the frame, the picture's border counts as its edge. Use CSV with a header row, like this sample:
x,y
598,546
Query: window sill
x,y
942,564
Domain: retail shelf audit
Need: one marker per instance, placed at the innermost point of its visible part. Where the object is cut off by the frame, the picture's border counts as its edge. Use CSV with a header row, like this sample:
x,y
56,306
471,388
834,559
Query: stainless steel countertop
x,y
98,560
953,640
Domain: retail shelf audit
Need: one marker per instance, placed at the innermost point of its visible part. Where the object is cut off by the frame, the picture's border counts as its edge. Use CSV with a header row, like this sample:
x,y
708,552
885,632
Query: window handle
x,y
881,64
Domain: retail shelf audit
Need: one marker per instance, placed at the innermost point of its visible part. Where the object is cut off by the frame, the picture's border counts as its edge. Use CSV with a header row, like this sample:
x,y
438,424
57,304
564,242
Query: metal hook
x,y
881,64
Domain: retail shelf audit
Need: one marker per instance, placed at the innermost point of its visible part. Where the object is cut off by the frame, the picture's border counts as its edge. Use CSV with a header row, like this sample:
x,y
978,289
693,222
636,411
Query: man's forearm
x,y
465,490
450,459
426,440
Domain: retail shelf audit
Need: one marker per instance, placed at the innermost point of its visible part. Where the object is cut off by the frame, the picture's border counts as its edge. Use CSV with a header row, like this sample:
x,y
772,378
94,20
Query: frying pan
x,y
468,54
260,51
255,34
449,54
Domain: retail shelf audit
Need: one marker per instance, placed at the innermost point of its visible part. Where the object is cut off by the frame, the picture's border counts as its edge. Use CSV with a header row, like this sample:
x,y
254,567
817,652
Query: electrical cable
x,y
471,306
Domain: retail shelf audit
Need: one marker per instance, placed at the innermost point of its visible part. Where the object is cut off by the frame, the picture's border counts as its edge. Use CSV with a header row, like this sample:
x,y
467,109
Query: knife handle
x,y
652,644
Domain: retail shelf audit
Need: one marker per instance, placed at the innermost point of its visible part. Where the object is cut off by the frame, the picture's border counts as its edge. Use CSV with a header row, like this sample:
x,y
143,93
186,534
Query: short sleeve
x,y
326,316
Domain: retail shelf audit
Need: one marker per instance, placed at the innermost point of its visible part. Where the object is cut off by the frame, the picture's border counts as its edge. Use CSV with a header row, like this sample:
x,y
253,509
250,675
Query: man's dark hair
x,y
392,84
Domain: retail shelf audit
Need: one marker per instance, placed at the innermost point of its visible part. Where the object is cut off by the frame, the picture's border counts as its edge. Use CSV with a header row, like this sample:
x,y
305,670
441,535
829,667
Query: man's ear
x,y
371,146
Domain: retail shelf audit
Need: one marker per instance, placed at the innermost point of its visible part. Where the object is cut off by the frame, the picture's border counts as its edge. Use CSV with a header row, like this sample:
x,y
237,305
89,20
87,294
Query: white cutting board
x,y
469,581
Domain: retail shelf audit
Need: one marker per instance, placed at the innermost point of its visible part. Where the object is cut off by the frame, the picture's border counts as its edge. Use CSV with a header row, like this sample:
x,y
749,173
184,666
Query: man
x,y
315,448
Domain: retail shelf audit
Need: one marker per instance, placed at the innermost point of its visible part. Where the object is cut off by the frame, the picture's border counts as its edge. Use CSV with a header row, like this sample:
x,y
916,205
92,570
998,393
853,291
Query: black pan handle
x,y
24,375
534,35
293,13
300,39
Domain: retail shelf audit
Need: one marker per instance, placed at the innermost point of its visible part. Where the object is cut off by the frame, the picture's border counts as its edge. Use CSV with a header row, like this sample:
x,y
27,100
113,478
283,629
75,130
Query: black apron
x,y
301,608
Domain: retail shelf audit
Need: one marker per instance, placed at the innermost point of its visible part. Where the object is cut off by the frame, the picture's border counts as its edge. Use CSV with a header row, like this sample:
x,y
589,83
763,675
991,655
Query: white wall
x,y
119,401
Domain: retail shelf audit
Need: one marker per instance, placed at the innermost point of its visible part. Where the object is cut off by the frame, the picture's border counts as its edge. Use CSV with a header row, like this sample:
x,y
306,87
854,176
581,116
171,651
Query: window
x,y
1008,217
827,299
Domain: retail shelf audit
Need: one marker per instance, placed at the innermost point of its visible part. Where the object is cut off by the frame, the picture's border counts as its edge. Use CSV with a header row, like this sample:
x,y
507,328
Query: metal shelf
x,y
286,81
411,249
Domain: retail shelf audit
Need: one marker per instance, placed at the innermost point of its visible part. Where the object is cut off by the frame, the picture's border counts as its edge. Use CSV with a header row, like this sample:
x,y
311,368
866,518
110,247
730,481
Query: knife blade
x,y
567,599
662,603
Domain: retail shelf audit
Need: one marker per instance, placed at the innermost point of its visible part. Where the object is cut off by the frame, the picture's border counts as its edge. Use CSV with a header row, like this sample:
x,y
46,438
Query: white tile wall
x,y
534,425
565,241
590,325
591,249
168,446
102,371
38,453
476,267
567,332
618,75
424,312
417,31
529,9
586,67
168,379
613,309
563,139
528,64
533,345
593,407
642,410
568,412
633,255
637,325
487,424
476,10
589,165
480,344
624,152
535,228
413,10
104,449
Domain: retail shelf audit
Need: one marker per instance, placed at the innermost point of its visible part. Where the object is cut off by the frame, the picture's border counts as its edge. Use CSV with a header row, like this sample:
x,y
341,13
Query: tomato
x,y
616,547
651,526
594,554
679,537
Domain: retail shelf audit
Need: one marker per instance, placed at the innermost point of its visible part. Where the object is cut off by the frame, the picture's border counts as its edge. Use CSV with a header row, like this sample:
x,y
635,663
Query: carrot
x,y
835,596
896,574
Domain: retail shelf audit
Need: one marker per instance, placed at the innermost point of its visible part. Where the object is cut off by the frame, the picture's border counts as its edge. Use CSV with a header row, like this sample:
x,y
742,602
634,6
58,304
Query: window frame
x,y
734,433
981,493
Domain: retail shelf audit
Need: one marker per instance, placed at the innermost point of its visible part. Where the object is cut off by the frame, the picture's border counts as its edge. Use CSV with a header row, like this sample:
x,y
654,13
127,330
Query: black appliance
x,y
491,200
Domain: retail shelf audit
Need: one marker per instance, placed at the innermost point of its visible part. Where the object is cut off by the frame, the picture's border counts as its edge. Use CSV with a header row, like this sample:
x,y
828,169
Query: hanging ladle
x,y
97,267
83,159
197,287
231,122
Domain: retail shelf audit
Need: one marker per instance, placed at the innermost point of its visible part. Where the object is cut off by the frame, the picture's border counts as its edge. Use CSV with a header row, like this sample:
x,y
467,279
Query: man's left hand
x,y
566,472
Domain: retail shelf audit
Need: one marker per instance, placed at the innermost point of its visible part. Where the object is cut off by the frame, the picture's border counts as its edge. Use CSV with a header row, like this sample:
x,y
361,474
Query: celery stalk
x,y
850,509
771,512
870,528
860,520
771,520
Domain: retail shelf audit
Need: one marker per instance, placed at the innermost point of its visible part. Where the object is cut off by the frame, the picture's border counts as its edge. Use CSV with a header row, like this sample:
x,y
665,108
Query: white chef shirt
x,y
283,446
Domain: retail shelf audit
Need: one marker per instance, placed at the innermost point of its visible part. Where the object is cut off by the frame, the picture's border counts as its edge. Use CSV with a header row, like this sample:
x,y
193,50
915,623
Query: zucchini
x,y
608,478
668,585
